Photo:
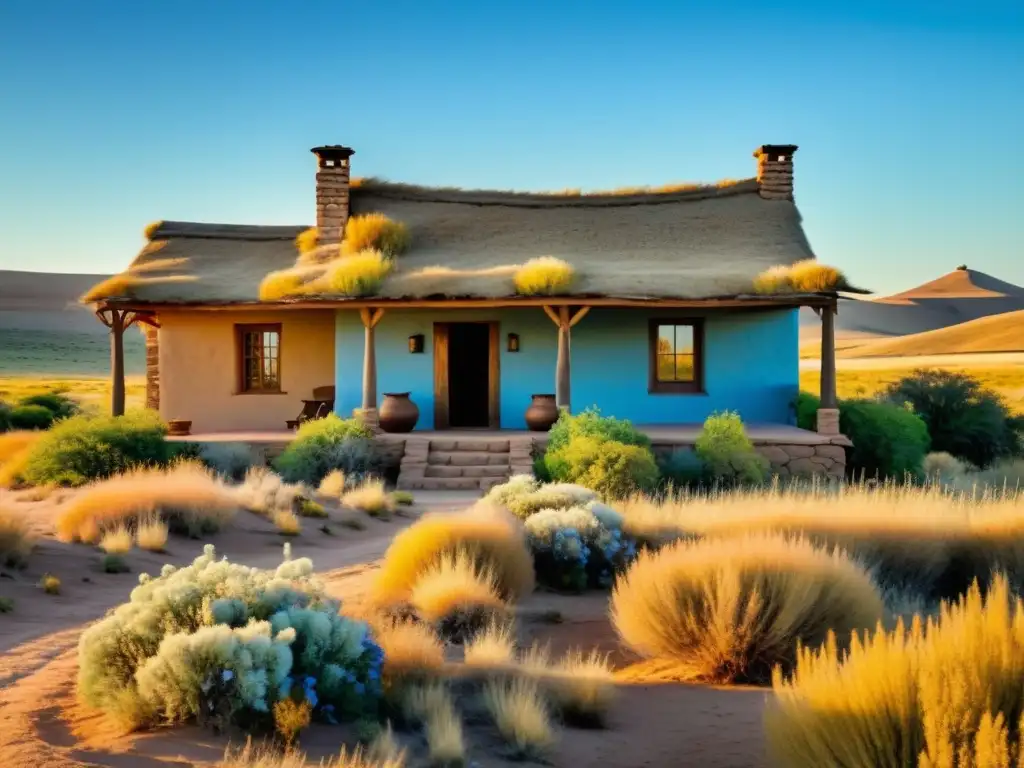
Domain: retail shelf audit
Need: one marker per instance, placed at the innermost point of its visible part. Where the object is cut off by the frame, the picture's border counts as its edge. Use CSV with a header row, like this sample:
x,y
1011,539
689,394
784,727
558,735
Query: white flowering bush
x,y
522,495
220,642
578,547
265,492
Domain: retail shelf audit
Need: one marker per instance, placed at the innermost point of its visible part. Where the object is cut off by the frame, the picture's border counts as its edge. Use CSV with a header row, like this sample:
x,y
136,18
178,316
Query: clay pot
x,y
179,427
398,413
542,413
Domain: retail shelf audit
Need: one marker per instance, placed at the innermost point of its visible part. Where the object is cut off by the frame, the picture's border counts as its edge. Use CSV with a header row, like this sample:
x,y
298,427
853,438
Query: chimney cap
x,y
786,150
333,152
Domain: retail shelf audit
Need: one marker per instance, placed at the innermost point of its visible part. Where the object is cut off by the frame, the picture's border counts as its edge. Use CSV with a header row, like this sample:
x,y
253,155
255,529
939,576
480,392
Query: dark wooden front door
x,y
466,375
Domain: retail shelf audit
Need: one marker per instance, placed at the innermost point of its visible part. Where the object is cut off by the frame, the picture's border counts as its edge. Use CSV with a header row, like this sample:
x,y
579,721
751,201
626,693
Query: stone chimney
x,y
331,192
775,170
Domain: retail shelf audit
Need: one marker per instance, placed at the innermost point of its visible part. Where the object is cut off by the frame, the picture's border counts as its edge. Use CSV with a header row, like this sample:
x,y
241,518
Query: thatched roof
x,y
705,242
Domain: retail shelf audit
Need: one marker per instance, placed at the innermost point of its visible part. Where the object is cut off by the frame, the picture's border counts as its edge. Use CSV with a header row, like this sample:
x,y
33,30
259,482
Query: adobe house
x,y
662,324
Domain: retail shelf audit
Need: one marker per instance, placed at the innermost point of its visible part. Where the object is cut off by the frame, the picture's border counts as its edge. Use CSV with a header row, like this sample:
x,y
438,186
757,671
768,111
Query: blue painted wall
x,y
751,363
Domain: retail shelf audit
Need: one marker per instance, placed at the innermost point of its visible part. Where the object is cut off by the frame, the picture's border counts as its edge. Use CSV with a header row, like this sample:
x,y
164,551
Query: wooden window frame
x,y
241,329
695,387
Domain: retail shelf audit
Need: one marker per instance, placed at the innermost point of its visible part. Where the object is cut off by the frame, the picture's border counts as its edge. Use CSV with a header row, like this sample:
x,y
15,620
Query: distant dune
x,y
44,331
998,333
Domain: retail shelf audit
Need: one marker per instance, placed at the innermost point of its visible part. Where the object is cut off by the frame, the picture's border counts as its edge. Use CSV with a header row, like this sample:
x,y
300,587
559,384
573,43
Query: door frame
x,y
442,413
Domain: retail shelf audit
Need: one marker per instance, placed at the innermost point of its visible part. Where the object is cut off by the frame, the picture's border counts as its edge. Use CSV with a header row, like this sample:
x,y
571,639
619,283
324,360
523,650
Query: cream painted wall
x,y
199,368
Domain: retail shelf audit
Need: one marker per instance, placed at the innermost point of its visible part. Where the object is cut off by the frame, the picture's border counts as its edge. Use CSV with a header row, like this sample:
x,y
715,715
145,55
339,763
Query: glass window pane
x,y
676,356
684,339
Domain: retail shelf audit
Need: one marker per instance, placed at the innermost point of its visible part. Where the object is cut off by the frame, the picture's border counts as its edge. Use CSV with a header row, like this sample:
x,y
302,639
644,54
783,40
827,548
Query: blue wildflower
x,y
227,675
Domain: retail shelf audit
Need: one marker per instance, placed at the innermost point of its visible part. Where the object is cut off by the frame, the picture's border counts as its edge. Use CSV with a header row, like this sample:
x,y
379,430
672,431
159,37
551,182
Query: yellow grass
x,y
267,756
403,498
306,241
432,705
152,535
914,697
806,276
546,276
410,649
117,541
361,274
495,540
1007,380
333,485
287,522
455,583
50,584
264,492
90,392
123,284
493,648
151,229
14,448
15,539
580,686
520,715
370,497
282,284
729,609
375,232
186,496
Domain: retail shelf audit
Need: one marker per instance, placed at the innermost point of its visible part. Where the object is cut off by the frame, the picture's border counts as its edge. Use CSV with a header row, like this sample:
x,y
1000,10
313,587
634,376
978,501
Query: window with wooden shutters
x,y
259,358
676,356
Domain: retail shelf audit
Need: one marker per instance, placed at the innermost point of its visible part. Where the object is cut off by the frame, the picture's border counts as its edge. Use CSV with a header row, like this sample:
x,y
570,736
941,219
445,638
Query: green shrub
x,y
682,468
727,453
60,405
963,418
229,460
6,605
889,441
807,411
612,469
220,640
31,417
5,416
324,445
590,423
114,564
81,449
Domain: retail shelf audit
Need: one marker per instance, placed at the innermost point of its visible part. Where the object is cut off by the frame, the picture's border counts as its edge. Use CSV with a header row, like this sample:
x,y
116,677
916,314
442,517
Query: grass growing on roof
x,y
375,232
805,276
356,276
306,241
544,276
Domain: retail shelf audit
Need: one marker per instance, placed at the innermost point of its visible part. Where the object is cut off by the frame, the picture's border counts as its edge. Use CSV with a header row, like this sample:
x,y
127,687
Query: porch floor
x,y
678,434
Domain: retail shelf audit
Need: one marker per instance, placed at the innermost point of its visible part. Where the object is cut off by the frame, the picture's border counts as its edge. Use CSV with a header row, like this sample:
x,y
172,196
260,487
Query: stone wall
x,y
825,459
152,367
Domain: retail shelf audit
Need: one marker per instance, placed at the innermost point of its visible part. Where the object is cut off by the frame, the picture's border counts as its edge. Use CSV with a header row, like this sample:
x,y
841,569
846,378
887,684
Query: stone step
x,y
450,470
440,484
479,445
468,458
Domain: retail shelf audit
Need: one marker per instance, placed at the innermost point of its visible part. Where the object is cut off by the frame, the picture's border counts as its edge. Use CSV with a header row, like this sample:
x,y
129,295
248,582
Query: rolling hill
x,y
996,333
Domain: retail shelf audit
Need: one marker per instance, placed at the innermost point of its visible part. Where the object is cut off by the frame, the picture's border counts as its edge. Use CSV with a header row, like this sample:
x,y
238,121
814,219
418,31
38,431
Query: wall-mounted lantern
x,y
416,344
513,342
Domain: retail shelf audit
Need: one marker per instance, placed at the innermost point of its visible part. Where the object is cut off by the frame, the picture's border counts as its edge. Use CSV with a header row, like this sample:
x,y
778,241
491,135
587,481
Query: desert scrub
x,y
16,541
493,648
291,718
611,469
114,564
580,687
432,705
910,697
370,497
6,605
333,484
590,423
229,460
412,651
216,637
31,417
50,584
264,492
806,276
727,454
457,596
81,449
323,445
287,522
544,276
14,452
377,756
403,498
523,495
57,403
494,541
117,541
731,609
376,232
521,716
186,496
310,508
575,548
151,534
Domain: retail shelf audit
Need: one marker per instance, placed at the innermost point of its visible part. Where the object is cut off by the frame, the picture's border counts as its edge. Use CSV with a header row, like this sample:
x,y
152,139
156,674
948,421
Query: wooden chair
x,y
321,405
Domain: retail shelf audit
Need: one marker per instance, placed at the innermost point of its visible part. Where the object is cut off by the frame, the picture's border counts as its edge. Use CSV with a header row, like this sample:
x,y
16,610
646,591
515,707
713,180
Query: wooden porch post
x,y
368,411
563,365
828,410
118,321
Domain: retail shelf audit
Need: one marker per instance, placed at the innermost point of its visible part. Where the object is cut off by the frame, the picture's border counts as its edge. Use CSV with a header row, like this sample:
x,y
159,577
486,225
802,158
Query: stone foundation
x,y
826,458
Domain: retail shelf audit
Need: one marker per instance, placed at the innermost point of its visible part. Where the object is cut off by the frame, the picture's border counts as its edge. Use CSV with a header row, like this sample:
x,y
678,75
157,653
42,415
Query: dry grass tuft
x,y
16,541
806,276
731,609
285,283
410,649
287,522
186,496
494,648
50,584
125,283
455,583
379,755
494,540
361,274
264,492
403,498
375,232
117,541
306,241
333,485
151,535
545,276
370,497
14,450
521,716
150,229
948,687
581,687
432,705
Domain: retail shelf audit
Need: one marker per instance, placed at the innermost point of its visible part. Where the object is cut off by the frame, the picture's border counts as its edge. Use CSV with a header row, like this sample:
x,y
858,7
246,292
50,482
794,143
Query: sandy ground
x,y
42,725
921,361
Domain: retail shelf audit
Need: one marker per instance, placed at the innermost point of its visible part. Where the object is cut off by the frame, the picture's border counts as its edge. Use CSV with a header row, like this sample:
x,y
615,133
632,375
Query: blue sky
x,y
909,115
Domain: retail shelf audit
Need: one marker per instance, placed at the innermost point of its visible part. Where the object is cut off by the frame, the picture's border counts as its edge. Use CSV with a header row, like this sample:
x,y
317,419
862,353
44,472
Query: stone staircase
x,y
462,464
